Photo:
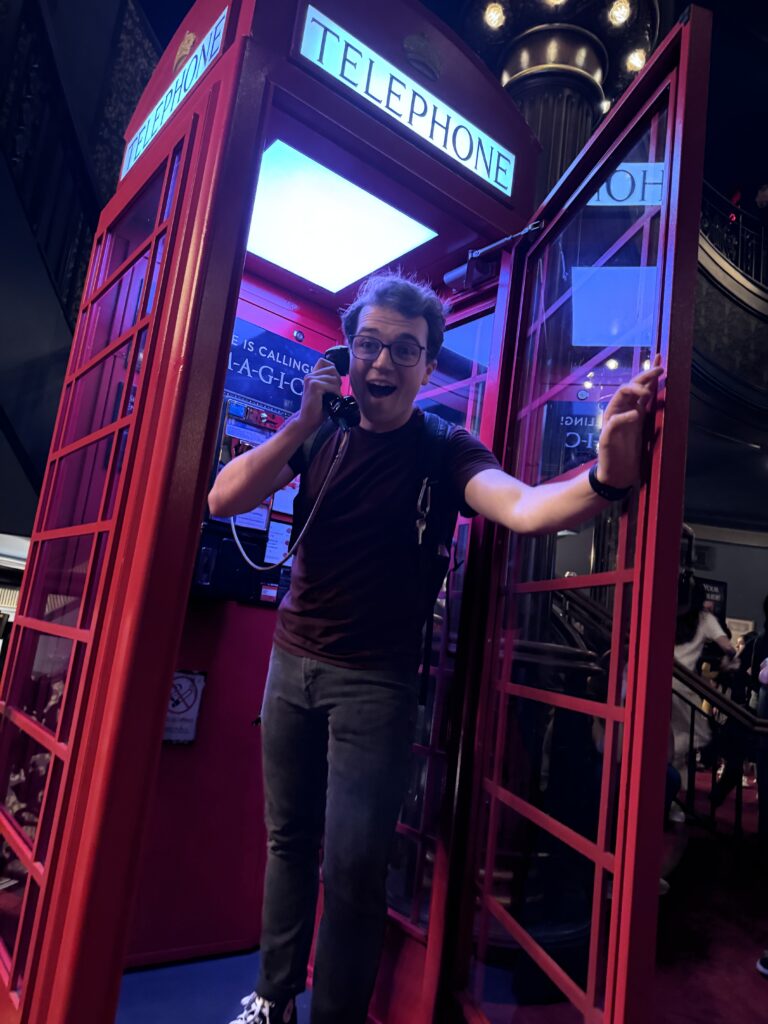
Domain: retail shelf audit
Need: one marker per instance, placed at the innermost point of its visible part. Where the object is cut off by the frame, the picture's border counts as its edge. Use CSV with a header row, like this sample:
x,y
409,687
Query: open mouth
x,y
380,390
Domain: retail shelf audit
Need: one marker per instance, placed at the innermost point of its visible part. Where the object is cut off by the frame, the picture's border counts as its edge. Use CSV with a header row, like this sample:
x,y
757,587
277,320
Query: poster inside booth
x,y
264,386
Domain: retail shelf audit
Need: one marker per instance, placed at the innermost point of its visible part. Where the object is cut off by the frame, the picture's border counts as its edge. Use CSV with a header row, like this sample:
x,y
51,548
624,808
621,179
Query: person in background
x,y
759,656
694,627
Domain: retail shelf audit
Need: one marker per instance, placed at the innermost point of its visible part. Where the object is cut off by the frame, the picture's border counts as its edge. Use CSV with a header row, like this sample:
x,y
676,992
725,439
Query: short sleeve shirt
x,y
689,653
354,594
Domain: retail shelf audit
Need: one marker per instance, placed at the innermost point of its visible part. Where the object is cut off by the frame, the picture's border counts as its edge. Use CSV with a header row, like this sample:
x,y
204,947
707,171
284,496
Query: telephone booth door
x,y
556,906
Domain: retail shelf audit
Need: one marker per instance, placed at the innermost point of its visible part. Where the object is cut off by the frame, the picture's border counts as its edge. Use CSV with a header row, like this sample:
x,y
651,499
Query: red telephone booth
x,y
252,118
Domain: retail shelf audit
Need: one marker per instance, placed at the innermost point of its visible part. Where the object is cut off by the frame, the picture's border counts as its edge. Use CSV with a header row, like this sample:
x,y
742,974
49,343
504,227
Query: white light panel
x,y
317,225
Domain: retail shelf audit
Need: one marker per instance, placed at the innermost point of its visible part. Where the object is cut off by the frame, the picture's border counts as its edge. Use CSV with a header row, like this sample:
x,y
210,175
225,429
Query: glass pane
x,y
425,711
562,640
116,311
510,988
546,886
414,800
62,417
402,880
96,395
172,182
49,812
94,270
39,675
23,770
117,468
30,912
134,226
156,264
13,880
79,485
93,581
73,689
595,301
59,580
464,357
553,758
139,362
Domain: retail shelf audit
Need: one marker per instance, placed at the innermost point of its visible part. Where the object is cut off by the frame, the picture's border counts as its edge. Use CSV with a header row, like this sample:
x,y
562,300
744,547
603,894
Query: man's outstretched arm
x,y
567,503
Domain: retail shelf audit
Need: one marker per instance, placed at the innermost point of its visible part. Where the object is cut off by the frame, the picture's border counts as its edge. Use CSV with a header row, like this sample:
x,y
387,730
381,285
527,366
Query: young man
x,y
341,693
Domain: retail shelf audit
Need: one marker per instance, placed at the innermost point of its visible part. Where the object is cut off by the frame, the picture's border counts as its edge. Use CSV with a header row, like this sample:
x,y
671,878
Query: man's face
x,y
385,390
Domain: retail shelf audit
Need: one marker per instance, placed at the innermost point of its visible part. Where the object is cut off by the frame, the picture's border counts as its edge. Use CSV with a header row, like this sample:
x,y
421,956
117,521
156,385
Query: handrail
x,y
715,696
737,235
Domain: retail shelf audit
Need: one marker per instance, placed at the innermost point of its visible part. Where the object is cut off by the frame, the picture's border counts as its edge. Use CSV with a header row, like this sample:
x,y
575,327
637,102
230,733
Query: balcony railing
x,y
737,235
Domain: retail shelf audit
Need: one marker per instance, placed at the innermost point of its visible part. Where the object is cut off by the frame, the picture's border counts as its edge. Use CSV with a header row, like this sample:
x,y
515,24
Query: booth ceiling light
x,y
321,227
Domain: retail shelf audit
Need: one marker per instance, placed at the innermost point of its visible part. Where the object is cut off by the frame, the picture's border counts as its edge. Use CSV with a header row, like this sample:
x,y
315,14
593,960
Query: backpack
x,y
435,520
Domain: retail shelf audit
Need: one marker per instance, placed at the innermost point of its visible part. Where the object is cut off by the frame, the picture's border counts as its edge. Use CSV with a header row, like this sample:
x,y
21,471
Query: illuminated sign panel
x,y
386,87
319,226
179,89
631,184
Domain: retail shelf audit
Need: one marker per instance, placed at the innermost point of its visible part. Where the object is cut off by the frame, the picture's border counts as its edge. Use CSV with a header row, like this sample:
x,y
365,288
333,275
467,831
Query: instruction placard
x,y
184,707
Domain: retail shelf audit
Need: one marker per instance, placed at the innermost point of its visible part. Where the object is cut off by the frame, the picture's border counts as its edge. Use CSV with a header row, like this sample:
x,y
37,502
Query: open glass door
x,y
559,897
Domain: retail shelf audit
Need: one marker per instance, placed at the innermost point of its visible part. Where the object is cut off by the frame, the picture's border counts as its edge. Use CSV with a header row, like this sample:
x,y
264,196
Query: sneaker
x,y
676,814
664,887
257,1010
762,964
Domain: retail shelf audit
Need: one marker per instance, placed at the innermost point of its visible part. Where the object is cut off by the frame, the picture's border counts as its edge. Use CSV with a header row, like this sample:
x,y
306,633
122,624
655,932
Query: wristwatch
x,y
605,490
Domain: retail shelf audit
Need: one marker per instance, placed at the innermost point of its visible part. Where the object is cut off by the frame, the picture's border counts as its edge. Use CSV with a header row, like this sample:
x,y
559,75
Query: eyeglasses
x,y
404,353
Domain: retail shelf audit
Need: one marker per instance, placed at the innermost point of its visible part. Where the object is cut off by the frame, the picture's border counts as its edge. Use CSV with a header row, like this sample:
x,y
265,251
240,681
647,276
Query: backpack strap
x,y
435,525
301,504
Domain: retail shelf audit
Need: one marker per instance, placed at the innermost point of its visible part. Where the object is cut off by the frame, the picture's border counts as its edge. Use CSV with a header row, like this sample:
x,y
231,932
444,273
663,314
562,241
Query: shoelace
x,y
256,1011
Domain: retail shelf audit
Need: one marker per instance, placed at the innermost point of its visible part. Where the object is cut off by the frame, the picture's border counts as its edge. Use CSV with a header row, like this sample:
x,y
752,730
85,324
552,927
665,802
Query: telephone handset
x,y
345,413
342,409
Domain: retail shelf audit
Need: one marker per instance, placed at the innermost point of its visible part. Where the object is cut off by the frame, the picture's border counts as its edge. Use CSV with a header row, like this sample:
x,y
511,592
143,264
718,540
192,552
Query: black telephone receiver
x,y
342,409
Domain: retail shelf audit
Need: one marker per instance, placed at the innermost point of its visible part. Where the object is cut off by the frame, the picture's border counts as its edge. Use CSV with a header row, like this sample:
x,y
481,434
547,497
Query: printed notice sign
x,y
184,707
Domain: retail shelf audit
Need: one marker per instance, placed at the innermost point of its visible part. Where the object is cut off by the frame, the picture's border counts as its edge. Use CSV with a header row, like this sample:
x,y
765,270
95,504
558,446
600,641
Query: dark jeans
x,y
336,749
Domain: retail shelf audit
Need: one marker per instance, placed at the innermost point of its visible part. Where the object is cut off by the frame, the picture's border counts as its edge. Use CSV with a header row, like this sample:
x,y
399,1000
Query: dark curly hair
x,y
407,296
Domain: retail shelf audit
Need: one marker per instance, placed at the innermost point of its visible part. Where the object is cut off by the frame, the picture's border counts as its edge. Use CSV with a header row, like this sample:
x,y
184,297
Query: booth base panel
x,y
200,890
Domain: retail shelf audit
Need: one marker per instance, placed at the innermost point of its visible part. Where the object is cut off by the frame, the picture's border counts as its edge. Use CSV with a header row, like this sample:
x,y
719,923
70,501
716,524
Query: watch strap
x,y
605,490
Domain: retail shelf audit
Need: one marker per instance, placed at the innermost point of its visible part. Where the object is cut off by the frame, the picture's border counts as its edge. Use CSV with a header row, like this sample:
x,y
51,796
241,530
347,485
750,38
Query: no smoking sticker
x,y
184,707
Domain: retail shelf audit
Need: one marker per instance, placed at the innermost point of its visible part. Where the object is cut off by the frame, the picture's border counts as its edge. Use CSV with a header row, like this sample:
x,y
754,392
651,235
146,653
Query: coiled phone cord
x,y
341,447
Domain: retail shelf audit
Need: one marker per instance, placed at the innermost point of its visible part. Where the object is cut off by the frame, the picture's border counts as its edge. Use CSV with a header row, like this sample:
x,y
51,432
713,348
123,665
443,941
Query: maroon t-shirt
x,y
354,594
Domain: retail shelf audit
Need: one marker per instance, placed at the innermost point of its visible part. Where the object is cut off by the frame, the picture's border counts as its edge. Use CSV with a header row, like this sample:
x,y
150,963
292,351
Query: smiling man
x,y
340,701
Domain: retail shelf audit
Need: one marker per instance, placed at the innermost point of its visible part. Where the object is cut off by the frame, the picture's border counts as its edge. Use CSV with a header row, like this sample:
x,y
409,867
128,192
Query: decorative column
x,y
555,75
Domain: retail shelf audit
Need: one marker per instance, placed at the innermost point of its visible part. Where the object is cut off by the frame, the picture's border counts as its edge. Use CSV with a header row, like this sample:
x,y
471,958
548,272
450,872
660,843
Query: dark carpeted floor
x,y
713,925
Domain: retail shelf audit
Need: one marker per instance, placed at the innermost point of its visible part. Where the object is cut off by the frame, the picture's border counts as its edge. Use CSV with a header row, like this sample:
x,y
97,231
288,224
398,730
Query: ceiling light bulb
x,y
612,364
587,384
636,60
494,16
605,106
647,364
554,3
619,12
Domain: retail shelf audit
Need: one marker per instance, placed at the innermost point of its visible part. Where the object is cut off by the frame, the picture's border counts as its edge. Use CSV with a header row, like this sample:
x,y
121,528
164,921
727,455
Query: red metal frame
x,y
631,940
